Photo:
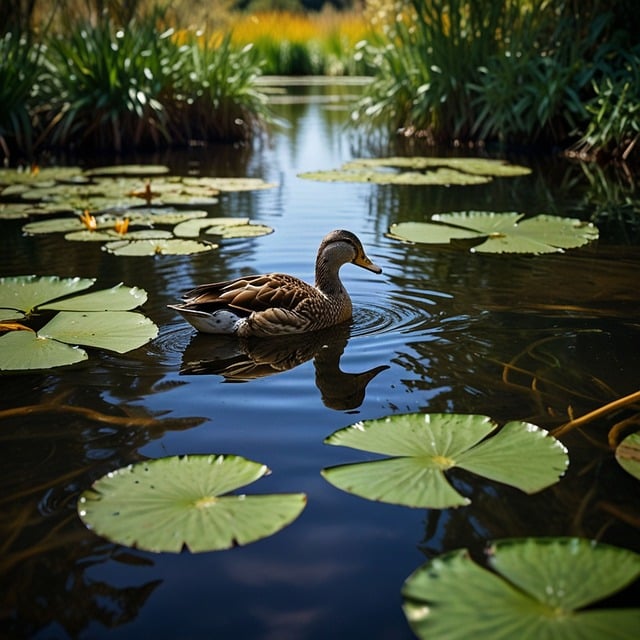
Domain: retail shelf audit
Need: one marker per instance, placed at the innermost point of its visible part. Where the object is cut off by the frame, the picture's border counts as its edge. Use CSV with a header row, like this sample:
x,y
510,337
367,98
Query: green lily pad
x,y
193,228
169,247
419,171
25,293
229,184
111,235
45,174
250,230
118,331
155,216
426,446
99,319
23,350
142,170
177,502
536,590
628,454
223,227
502,232
118,298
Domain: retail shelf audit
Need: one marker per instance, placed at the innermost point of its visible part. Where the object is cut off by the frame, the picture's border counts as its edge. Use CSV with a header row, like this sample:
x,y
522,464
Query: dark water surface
x,y
532,338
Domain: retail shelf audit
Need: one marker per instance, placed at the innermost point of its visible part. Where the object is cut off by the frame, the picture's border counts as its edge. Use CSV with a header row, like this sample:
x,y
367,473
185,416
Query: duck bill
x,y
365,263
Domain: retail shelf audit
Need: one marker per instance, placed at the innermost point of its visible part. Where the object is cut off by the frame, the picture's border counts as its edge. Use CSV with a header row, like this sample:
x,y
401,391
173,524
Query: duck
x,y
276,304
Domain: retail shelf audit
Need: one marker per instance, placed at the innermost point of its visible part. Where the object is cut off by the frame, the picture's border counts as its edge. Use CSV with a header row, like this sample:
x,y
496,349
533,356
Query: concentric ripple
x,y
399,313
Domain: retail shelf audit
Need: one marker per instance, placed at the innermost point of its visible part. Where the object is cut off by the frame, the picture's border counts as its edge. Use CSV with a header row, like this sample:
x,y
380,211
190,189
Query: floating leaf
x,y
118,331
474,166
143,170
22,350
229,184
628,454
25,293
60,225
98,319
419,171
426,446
536,591
503,232
171,246
176,502
240,231
40,175
118,298
111,235
192,228
429,233
162,216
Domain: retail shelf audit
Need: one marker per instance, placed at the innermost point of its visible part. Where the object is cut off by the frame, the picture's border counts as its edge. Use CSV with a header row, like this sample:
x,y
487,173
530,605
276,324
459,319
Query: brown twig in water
x,y
596,413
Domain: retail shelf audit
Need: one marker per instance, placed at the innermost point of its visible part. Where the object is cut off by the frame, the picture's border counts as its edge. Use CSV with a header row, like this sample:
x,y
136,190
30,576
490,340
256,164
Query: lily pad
x,y
536,590
628,454
419,171
425,447
110,235
118,331
229,184
118,298
193,228
178,502
23,350
223,227
99,319
142,170
250,230
20,295
38,175
168,247
502,232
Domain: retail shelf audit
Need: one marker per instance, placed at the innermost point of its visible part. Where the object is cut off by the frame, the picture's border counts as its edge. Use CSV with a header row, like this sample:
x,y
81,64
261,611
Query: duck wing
x,y
252,293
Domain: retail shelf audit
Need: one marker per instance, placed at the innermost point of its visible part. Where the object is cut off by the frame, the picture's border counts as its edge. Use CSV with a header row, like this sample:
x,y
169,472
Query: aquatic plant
x,y
499,232
534,588
184,502
216,95
101,319
425,447
511,71
614,124
109,85
419,170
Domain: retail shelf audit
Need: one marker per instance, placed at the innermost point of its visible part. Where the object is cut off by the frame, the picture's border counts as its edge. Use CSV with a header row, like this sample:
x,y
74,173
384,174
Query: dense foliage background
x,y
554,74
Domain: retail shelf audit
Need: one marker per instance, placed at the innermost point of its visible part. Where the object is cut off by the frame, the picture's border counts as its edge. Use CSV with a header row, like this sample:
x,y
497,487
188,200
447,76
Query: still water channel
x,y
441,330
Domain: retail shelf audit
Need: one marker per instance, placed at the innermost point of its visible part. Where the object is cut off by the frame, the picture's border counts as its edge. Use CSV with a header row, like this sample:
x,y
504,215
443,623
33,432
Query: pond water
x,y
537,338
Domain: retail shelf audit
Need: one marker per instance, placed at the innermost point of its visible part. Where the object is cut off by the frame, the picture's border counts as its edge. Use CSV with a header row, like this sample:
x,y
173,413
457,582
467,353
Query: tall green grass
x,y
514,71
110,85
216,97
20,69
102,85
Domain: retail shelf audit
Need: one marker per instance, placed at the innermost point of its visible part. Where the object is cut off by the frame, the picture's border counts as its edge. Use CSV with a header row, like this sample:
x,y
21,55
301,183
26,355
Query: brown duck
x,y
276,304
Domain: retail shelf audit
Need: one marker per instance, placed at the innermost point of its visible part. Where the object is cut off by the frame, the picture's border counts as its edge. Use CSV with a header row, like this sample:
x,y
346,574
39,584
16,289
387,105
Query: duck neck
x,y
328,278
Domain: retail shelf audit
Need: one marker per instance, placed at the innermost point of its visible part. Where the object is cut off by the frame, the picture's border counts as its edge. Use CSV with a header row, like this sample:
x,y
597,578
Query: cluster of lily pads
x,y
124,206
535,586
101,319
486,231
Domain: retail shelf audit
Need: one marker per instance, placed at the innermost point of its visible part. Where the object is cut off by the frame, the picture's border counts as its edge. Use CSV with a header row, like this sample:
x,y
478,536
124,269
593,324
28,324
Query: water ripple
x,y
400,313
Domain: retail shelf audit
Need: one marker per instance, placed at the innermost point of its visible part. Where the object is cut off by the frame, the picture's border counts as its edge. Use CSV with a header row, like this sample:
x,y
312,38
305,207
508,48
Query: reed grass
x,y
20,68
105,85
512,71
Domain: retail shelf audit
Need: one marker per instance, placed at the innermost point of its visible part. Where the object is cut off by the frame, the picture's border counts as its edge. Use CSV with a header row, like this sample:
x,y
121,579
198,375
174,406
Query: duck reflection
x,y
242,360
